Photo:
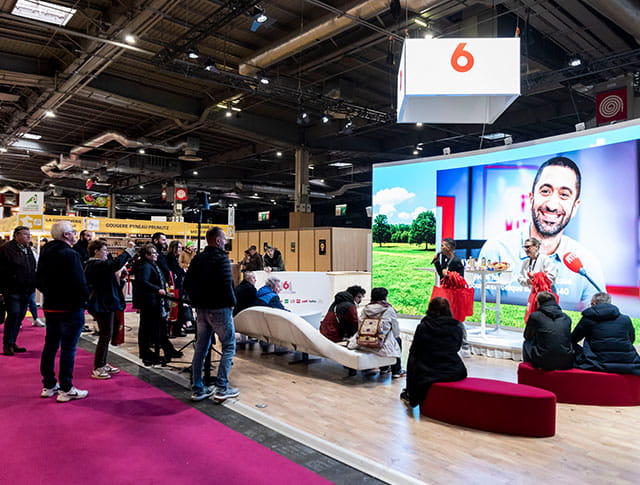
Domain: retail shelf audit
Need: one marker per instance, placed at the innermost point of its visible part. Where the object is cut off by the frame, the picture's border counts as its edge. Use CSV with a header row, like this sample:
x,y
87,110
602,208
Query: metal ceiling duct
x,y
189,146
328,26
624,13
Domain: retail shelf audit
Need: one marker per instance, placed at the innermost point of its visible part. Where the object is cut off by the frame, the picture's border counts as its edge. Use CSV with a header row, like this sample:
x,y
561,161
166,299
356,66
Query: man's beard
x,y
550,230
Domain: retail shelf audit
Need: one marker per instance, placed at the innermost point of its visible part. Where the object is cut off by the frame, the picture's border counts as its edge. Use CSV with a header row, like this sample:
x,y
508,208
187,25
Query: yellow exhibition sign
x,y
105,225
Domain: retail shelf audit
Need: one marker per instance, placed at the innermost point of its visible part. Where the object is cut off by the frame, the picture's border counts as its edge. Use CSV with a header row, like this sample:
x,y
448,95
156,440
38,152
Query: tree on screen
x,y
381,231
423,229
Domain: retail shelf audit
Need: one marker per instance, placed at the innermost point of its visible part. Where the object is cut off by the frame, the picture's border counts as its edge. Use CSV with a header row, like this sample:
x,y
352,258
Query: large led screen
x,y
577,194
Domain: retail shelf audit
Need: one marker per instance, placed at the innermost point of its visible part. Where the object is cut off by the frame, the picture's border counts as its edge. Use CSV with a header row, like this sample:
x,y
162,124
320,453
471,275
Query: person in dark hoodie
x,y
64,288
608,339
341,320
547,336
433,356
105,298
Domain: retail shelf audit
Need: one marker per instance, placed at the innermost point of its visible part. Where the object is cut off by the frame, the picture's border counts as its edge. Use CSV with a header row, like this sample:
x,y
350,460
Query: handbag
x,y
118,321
370,333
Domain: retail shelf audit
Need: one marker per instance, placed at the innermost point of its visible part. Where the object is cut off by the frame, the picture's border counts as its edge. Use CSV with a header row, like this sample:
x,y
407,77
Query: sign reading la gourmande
x,y
472,80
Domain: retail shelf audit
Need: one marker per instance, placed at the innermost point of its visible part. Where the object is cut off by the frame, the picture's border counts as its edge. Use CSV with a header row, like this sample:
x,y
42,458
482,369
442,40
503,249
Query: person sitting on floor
x,y
433,356
341,320
547,336
268,294
380,308
608,339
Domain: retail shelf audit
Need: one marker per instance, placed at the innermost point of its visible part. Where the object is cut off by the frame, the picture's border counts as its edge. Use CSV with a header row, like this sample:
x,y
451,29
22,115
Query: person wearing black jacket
x,y
446,260
81,247
273,259
209,284
151,298
173,263
245,292
61,280
433,356
608,339
105,298
159,240
17,284
547,336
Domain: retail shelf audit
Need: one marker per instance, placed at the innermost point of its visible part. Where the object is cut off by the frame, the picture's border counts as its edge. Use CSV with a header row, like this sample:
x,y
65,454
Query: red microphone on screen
x,y
572,261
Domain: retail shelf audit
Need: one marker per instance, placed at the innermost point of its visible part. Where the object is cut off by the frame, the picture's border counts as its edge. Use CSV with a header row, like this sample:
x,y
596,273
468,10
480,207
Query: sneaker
x,y
100,373
222,394
111,369
385,370
86,329
50,392
203,393
38,323
7,349
73,393
399,374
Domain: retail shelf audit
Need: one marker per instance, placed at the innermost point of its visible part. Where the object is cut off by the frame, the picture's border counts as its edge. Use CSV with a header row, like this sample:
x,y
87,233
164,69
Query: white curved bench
x,y
289,330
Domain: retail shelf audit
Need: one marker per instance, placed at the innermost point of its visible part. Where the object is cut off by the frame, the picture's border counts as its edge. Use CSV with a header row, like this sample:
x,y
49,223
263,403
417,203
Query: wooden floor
x,y
364,415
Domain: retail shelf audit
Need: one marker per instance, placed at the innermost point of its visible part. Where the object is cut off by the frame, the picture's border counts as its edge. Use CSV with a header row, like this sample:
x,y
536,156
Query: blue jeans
x,y
219,321
33,306
16,310
63,331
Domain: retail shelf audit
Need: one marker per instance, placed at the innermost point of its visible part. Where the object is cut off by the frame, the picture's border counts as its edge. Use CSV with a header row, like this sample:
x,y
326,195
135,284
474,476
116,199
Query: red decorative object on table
x,y
454,288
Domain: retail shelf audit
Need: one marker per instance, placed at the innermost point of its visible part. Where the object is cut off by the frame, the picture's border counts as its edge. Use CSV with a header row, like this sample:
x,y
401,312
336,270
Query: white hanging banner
x,y
31,202
457,80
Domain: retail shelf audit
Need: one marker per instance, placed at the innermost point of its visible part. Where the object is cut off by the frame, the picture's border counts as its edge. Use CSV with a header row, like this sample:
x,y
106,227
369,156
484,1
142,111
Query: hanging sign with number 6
x,y
457,80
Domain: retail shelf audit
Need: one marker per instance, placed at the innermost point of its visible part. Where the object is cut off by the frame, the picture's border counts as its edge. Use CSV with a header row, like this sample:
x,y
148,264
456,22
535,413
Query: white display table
x,y
483,296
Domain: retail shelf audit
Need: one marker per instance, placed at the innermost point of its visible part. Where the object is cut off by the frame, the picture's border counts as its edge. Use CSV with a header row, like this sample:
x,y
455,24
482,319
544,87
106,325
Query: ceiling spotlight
x,y
228,113
348,127
428,34
50,114
259,18
141,151
419,124
575,62
303,118
416,152
195,172
85,172
130,39
264,80
51,185
210,66
192,54
278,154
141,186
326,118
144,200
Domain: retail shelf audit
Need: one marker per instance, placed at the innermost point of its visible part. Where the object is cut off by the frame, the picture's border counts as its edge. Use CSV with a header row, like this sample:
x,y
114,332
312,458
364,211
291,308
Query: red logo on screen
x,y
611,106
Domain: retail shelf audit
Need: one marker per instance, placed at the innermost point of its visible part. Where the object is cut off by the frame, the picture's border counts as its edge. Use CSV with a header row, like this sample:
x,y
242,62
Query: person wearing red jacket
x,y
341,320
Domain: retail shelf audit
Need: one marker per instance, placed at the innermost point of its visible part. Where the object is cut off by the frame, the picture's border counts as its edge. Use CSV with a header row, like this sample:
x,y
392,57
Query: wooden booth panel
x,y
307,252
322,249
242,243
290,250
253,240
278,243
354,248
265,237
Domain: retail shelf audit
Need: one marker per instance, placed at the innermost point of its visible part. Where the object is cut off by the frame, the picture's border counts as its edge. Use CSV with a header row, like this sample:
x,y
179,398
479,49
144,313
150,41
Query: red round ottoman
x,y
490,405
577,386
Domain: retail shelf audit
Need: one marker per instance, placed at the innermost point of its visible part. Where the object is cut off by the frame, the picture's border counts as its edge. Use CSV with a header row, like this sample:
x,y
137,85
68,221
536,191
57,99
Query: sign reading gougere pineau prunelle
x,y
106,225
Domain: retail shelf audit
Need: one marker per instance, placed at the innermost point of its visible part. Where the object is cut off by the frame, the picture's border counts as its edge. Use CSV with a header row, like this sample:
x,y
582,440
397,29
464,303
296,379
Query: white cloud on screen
x,y
387,199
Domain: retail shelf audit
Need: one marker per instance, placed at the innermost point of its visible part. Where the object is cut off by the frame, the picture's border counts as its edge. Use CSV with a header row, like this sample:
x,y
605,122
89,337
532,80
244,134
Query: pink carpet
x,y
126,431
